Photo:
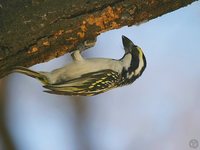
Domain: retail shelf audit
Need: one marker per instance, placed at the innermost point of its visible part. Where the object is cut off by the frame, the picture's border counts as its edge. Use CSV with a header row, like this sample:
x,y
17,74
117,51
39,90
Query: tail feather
x,y
31,73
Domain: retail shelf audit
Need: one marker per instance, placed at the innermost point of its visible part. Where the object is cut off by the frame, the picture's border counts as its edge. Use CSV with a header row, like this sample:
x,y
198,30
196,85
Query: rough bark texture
x,y
35,31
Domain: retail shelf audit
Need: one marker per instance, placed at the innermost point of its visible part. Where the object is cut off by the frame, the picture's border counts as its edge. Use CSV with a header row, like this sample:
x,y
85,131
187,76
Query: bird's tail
x,y
37,75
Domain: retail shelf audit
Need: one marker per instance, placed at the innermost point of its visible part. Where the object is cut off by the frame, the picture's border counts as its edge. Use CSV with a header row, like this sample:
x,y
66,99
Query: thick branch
x,y
35,31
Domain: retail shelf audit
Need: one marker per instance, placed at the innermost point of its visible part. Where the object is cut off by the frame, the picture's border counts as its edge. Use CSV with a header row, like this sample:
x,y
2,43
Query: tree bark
x,y
35,31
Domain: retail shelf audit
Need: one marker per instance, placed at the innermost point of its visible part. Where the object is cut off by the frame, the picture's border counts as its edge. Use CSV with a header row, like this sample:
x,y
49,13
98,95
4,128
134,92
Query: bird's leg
x,y
76,56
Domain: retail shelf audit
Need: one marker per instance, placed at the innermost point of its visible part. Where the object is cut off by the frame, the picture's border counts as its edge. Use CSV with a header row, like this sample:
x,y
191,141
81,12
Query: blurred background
x,y
160,110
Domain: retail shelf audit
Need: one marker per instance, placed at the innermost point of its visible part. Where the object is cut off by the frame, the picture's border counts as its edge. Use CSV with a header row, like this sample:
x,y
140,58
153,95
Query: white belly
x,y
77,68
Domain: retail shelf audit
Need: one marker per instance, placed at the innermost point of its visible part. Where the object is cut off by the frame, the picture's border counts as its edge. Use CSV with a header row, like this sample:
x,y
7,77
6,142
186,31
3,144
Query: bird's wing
x,y
86,85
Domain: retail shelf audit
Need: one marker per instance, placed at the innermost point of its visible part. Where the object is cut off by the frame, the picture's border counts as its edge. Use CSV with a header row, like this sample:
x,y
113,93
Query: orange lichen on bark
x,y
59,33
46,43
70,39
106,18
69,31
83,29
114,25
81,34
32,50
105,21
83,26
145,15
61,50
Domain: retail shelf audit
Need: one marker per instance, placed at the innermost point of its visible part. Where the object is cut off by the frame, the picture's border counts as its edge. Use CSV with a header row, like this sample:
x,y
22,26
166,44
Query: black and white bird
x,y
92,76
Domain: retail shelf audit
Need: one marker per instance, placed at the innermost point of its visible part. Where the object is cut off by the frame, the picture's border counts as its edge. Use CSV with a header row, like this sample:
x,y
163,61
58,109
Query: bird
x,y
92,76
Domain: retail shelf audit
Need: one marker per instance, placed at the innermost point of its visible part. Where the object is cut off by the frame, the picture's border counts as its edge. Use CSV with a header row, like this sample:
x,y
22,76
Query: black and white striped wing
x,y
86,85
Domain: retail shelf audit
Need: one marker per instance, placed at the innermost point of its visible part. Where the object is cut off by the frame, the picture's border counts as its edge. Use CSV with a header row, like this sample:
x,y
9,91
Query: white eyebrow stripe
x,y
141,62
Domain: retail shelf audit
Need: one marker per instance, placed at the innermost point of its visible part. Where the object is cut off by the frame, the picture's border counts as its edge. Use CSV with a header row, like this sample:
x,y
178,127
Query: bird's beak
x,y
127,43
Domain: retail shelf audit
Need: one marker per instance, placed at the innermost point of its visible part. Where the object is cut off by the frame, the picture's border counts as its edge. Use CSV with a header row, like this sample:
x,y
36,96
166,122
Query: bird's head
x,y
130,47
138,60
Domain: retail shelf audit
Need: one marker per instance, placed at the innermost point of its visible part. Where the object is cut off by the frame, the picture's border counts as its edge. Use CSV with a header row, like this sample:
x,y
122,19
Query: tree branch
x,y
35,31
